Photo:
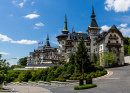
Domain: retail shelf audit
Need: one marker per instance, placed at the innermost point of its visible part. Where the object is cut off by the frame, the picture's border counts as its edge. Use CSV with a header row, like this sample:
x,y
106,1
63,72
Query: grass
x,y
86,86
1,89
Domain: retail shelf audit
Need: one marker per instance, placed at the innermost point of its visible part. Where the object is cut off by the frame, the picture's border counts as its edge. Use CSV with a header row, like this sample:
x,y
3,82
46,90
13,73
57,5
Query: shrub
x,y
74,78
62,79
1,78
86,86
75,75
25,76
11,75
71,78
78,78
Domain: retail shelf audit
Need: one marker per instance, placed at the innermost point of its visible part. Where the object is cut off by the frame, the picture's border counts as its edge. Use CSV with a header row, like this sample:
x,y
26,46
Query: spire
x,y
65,30
47,41
93,15
93,21
47,37
65,23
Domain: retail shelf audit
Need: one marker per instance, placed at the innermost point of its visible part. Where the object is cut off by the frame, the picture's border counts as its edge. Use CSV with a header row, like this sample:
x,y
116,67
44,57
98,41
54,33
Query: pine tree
x,y
94,58
81,58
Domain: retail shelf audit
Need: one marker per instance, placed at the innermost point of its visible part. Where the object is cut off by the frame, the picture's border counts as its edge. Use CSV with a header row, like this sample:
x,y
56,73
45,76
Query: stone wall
x,y
127,59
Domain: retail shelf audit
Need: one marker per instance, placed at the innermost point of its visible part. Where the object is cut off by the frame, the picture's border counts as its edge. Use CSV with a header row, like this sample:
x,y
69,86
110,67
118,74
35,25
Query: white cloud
x,y
125,32
105,28
31,16
3,53
32,3
24,42
21,4
123,25
14,2
35,27
35,12
4,38
39,24
117,5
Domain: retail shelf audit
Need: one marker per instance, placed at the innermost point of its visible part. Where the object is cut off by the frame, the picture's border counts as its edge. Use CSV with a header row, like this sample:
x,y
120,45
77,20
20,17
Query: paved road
x,y
24,89
119,82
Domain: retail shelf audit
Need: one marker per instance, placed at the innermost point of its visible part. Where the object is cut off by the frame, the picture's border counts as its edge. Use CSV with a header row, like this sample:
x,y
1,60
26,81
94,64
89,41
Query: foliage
x,y
62,61
4,66
17,66
109,59
81,58
25,76
86,86
94,58
11,75
1,78
22,61
127,46
72,59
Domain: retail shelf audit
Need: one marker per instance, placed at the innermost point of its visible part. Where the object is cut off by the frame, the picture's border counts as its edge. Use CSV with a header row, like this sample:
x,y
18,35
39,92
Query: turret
x,y
65,30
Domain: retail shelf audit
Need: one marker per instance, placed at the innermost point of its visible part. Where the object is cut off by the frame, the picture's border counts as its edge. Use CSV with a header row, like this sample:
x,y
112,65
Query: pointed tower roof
x,y
93,21
47,37
69,37
113,27
47,41
65,30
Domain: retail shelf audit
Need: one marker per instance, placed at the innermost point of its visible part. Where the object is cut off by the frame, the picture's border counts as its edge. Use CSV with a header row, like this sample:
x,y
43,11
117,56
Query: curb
x,y
109,73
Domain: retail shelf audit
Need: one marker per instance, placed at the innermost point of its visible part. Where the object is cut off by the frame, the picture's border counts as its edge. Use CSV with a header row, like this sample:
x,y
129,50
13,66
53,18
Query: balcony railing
x,y
113,37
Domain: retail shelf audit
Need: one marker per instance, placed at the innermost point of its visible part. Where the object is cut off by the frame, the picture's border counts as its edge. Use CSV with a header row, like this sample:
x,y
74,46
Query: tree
x,y
94,58
109,59
72,59
81,58
4,66
23,61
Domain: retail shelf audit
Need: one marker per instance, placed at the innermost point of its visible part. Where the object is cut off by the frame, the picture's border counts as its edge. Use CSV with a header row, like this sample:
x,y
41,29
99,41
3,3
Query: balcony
x,y
113,45
68,45
113,37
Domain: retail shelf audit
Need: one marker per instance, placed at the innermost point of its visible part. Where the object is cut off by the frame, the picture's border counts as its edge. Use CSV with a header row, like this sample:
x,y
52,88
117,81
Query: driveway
x,y
119,82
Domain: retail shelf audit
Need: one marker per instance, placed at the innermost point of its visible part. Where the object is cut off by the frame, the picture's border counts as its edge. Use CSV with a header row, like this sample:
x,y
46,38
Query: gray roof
x,y
93,23
62,35
113,27
78,36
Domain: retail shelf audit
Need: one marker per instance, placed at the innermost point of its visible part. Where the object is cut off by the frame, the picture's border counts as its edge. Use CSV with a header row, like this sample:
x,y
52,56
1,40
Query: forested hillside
x,y
127,46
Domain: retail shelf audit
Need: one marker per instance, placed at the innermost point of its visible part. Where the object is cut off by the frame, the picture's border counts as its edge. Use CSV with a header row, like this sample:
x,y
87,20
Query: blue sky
x,y
24,23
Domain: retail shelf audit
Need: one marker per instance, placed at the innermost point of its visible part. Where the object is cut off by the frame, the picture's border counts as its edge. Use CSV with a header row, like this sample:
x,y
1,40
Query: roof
x,y
113,27
78,36
93,23
62,35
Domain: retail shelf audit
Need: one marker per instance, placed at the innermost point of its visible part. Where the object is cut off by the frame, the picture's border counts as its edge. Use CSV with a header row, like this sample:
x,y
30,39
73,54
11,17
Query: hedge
x,y
86,86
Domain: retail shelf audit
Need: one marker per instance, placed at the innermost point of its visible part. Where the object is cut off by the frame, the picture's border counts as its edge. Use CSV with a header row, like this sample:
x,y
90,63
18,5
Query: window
x,y
116,41
110,35
114,35
109,41
63,42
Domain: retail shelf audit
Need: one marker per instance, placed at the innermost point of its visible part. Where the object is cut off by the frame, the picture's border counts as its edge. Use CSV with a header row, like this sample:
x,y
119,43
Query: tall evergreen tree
x,y
81,58
94,58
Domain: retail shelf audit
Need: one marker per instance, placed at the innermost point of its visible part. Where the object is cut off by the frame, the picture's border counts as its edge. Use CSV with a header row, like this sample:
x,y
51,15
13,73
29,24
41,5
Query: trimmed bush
x,y
74,78
86,86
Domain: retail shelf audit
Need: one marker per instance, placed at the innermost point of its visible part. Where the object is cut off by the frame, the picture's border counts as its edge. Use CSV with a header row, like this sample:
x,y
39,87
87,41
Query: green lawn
x,y
86,86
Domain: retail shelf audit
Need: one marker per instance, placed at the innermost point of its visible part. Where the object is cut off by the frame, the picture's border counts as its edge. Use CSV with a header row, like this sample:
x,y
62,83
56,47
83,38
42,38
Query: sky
x,y
24,23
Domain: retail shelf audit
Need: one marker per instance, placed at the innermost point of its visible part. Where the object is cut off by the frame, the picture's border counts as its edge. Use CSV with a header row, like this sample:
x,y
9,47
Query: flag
x,y
39,43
